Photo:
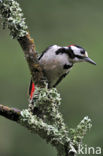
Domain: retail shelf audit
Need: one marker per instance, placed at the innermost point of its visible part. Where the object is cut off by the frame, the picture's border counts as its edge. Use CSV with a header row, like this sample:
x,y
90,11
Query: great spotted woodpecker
x,y
57,62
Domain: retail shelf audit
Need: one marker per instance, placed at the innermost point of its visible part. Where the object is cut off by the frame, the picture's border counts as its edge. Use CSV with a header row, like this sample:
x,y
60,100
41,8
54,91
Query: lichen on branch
x,y
77,134
48,102
12,17
42,115
50,124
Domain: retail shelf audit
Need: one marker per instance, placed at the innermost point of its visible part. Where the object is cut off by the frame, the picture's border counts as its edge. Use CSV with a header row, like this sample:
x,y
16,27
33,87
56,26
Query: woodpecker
x,y
57,62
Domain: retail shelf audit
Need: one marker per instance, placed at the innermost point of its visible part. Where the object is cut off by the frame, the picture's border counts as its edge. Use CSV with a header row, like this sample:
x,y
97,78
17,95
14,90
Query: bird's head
x,y
78,54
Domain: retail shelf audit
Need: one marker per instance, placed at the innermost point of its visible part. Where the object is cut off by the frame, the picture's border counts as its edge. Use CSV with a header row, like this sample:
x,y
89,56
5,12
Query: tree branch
x,y
10,113
46,120
28,47
12,17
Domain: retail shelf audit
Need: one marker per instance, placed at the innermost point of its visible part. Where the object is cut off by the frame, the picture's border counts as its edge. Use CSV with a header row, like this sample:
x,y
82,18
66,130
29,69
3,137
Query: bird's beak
x,y
87,59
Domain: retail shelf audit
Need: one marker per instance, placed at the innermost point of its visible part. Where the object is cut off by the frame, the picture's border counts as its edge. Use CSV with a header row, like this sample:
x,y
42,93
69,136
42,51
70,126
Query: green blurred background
x,y
61,22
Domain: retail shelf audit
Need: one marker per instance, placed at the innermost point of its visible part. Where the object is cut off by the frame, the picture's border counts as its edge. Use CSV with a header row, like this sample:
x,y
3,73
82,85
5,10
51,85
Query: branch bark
x,y
28,47
36,125
10,113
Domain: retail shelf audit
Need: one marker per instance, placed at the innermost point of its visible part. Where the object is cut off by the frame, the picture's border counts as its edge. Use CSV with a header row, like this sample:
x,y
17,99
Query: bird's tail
x,y
31,89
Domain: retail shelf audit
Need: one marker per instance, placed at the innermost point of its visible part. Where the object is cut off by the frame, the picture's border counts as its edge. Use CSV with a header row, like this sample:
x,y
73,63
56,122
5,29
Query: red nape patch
x,y
32,91
70,45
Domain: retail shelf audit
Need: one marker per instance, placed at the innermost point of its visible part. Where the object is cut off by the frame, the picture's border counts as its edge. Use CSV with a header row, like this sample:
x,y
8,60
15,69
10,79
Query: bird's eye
x,y
82,51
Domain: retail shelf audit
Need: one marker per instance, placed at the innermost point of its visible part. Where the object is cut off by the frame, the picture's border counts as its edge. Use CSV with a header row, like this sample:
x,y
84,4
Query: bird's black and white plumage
x,y
57,61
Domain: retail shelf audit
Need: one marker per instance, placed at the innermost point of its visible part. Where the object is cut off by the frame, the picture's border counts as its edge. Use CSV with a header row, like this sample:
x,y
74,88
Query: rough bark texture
x,y
28,47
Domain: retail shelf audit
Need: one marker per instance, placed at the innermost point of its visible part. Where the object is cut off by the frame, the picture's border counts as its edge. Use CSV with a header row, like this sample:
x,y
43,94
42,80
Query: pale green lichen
x,y
12,17
48,132
54,136
37,125
81,130
48,101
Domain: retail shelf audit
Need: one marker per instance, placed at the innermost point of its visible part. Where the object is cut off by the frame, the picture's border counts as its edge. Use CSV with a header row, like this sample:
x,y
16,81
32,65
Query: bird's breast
x,y
53,67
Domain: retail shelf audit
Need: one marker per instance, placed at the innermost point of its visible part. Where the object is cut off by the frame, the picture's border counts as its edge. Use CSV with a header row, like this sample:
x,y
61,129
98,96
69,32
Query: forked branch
x,y
48,123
